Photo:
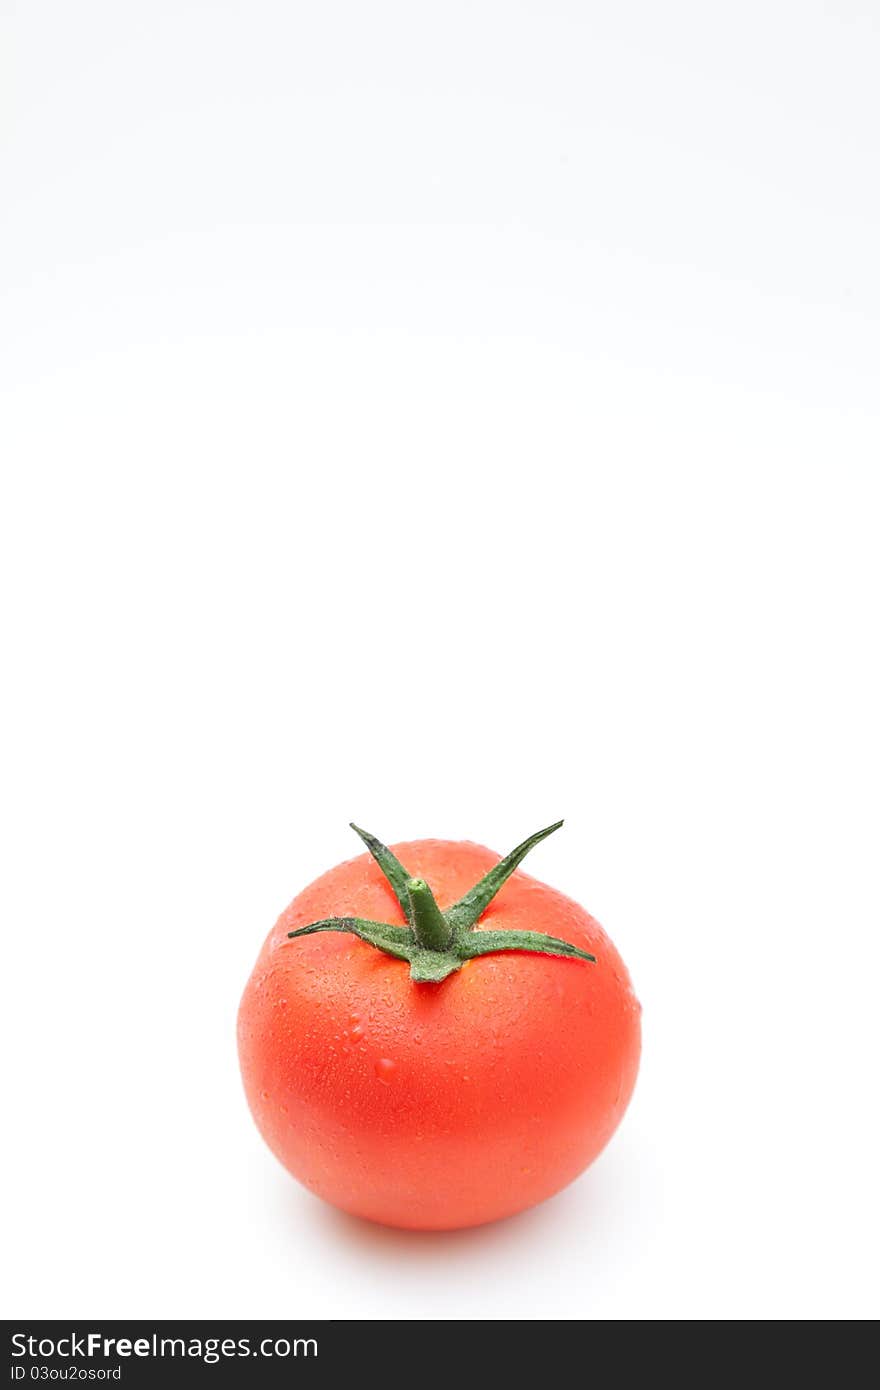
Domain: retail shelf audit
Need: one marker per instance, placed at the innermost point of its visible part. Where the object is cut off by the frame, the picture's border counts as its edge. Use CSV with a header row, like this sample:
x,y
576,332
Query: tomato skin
x,y
436,1106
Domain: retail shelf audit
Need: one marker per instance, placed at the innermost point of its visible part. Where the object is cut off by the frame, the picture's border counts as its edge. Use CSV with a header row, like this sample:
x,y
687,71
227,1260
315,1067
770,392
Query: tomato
x,y
412,1065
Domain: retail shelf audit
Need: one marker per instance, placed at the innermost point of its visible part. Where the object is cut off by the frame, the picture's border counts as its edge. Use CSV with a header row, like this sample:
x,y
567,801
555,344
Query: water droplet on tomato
x,y
385,1069
357,1031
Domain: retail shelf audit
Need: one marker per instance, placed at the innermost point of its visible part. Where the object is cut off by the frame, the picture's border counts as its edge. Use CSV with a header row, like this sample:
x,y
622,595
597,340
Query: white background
x,y
449,417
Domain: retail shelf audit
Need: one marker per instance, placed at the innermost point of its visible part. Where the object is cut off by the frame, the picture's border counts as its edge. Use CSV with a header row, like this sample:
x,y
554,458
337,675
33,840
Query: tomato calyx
x,y
436,943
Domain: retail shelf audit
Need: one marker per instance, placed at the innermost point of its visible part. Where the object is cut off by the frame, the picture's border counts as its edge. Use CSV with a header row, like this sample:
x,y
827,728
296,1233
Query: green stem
x,y
436,943
431,929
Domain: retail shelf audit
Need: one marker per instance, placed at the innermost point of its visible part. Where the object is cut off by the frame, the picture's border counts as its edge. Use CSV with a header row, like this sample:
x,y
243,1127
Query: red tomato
x,y
446,1103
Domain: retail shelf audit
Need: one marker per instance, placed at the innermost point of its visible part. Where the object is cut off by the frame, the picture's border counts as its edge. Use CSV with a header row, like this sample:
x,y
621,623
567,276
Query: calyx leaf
x,y
437,943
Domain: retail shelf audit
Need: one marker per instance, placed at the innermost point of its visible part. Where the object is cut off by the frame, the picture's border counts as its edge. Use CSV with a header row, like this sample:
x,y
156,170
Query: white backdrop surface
x,y
448,418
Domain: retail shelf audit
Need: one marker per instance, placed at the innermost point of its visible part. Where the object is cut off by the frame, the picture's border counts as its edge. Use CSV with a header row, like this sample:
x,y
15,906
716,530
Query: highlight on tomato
x,y
432,1039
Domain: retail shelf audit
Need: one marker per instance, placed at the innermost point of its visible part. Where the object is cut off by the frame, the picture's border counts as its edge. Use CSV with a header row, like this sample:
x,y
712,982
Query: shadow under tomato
x,y
370,1238
596,1213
